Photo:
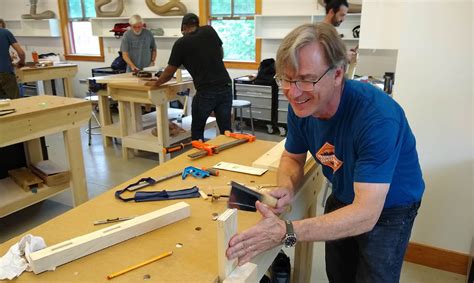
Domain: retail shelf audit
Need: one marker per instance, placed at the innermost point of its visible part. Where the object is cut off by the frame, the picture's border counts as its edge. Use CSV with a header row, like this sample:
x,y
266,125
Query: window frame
x,y
204,18
66,31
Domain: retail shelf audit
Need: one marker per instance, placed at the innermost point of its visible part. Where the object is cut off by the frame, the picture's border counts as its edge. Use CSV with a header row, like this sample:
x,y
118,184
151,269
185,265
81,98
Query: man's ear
x,y
339,75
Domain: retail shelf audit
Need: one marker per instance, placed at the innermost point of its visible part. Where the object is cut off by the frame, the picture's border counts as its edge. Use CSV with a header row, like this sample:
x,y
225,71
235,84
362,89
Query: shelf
x,y
277,27
34,28
274,27
170,25
14,198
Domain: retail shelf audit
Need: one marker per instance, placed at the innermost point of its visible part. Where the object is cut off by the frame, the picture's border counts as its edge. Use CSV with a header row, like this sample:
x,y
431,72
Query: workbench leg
x,y
304,255
136,121
69,92
104,116
162,129
34,152
72,142
125,122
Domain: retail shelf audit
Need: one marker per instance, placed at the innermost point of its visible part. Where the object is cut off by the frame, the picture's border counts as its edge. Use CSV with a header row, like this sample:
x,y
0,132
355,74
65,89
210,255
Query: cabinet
x,y
170,25
34,28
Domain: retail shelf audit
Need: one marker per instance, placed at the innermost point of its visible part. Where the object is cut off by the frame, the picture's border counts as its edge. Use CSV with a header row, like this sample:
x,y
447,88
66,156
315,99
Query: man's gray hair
x,y
335,52
135,19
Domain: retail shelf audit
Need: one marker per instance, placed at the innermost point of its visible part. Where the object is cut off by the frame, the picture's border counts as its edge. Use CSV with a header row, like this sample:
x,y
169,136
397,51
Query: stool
x,y
240,104
94,99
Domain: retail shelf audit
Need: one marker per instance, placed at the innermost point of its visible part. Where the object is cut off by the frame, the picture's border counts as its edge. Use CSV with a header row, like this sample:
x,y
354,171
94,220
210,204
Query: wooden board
x,y
271,159
246,273
59,254
240,168
226,228
25,179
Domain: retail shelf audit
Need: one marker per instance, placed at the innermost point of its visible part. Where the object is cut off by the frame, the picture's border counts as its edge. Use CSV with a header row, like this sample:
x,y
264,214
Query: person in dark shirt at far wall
x,y
200,52
336,11
8,84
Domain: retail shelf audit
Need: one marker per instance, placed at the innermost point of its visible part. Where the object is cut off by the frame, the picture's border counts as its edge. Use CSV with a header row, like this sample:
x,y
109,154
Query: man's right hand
x,y
284,196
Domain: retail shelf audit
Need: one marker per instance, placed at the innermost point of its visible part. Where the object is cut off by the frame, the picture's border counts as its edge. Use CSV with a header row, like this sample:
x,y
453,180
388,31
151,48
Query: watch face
x,y
290,240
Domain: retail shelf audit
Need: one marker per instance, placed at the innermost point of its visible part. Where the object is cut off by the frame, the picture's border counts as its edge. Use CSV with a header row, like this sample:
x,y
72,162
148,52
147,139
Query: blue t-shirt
x,y
6,40
367,140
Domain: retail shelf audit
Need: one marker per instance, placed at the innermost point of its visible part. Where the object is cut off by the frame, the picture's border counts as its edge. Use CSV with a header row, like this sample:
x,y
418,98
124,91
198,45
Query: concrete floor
x,y
106,169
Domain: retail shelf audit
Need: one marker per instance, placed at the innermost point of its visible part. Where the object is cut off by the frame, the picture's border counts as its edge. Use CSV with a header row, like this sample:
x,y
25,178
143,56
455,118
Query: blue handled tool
x,y
196,172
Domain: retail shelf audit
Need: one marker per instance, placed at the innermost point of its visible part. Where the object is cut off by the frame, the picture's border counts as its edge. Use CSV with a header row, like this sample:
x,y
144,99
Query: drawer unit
x,y
256,100
253,89
282,109
261,98
257,113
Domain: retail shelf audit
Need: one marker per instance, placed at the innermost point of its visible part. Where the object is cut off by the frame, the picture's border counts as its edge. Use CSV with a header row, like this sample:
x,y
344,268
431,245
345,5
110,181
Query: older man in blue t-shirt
x,y
362,139
8,85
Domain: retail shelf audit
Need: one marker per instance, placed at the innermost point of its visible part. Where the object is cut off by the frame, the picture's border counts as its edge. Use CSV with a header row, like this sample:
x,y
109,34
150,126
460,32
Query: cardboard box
x,y
51,173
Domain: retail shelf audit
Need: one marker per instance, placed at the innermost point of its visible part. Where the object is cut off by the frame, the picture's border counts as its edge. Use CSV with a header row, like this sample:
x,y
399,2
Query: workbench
x,y
36,117
131,92
65,71
196,259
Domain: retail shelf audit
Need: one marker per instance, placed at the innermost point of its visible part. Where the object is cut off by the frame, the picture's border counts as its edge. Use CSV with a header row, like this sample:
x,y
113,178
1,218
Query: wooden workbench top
x,y
129,81
57,66
41,103
195,261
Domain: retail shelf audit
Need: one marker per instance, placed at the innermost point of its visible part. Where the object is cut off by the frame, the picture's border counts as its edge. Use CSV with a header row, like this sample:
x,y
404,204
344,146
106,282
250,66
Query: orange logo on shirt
x,y
327,156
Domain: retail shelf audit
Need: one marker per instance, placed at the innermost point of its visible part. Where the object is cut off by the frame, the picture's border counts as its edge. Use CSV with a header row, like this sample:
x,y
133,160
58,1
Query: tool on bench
x,y
196,172
163,195
113,220
207,149
244,198
4,112
174,148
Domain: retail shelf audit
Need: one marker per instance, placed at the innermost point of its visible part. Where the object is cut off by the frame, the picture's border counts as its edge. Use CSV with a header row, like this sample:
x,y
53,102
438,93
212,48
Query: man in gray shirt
x,y
138,46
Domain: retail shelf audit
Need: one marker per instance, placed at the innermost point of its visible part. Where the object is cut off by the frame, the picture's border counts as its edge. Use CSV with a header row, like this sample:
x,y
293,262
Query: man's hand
x,y
284,196
268,233
152,63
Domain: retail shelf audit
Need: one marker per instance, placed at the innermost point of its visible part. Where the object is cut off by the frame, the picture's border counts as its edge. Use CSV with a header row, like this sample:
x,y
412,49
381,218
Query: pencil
x,y
113,275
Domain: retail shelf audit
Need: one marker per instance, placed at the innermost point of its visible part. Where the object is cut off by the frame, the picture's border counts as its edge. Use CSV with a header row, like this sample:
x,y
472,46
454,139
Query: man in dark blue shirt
x,y
200,52
362,140
8,85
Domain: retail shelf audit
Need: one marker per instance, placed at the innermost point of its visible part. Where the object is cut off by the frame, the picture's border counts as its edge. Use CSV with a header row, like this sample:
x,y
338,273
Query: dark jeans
x,y
8,86
375,256
219,100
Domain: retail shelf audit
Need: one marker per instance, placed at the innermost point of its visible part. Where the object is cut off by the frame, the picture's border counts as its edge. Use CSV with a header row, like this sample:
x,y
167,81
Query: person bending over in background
x,y
366,148
138,46
200,52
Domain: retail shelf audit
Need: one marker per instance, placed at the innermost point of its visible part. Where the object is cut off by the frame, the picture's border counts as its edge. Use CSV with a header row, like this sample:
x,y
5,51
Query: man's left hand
x,y
268,233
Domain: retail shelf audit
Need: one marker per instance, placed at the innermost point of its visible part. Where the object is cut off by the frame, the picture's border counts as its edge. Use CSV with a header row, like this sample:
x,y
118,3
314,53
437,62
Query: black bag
x,y
119,63
266,72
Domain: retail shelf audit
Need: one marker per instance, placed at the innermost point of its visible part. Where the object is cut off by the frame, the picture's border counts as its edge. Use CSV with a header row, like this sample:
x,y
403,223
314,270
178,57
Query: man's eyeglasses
x,y
301,85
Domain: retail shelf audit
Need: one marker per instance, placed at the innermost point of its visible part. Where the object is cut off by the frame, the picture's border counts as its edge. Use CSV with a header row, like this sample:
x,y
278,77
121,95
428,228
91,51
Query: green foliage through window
x,y
80,9
234,22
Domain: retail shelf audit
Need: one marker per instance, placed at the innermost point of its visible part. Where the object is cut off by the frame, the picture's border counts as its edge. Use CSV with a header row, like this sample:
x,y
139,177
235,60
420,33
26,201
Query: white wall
x,y
435,87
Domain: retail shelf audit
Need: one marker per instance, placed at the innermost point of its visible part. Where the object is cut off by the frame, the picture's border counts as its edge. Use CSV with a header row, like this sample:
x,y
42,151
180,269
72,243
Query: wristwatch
x,y
290,237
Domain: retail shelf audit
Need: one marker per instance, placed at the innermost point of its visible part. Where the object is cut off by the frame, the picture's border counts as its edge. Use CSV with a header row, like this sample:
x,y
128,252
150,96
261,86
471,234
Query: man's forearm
x,y
153,55
127,59
353,219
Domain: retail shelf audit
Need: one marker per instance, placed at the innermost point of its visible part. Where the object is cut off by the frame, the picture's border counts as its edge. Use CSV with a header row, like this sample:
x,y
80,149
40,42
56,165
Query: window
x,y
79,43
234,21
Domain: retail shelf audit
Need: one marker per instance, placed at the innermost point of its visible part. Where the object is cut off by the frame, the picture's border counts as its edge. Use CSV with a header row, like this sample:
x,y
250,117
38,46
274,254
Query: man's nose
x,y
293,91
